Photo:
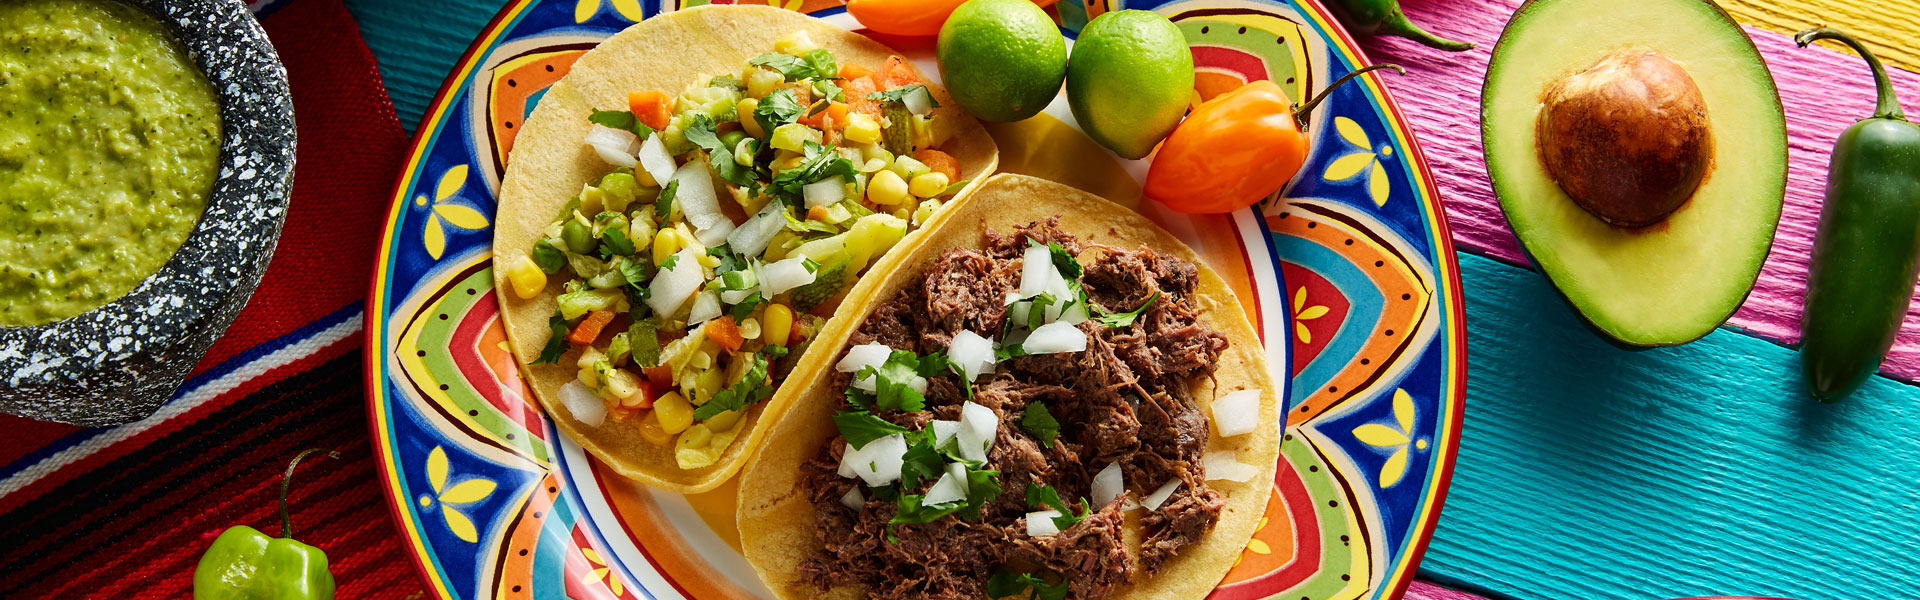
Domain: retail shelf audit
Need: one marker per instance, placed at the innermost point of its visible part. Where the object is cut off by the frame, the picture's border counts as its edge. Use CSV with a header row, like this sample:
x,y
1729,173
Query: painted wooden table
x,y
1586,471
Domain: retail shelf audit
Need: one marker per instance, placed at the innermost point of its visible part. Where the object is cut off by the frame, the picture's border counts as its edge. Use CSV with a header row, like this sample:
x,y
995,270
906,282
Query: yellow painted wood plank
x,y
1887,26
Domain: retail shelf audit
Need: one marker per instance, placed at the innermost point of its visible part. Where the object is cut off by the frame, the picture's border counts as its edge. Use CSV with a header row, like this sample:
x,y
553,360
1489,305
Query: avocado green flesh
x,y
109,147
1675,281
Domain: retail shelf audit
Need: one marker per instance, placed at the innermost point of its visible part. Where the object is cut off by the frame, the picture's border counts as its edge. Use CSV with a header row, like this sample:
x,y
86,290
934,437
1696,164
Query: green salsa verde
x,y
109,147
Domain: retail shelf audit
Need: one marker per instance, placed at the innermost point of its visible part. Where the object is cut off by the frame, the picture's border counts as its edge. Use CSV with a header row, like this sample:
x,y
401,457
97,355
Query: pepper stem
x,y
1302,111
1398,24
286,521
1889,106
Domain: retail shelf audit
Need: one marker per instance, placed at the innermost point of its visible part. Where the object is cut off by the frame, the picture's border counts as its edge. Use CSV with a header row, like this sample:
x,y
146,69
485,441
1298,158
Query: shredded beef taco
x,y
684,211
1048,394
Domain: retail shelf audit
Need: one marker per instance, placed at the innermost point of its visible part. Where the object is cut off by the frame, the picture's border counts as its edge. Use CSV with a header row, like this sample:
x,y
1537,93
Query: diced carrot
x,y
895,73
940,162
725,332
660,377
856,91
817,213
853,71
589,328
643,399
835,111
651,106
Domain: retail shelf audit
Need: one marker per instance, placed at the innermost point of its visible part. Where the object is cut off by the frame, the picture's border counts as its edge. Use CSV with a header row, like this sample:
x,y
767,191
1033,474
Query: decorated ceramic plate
x,y
1348,274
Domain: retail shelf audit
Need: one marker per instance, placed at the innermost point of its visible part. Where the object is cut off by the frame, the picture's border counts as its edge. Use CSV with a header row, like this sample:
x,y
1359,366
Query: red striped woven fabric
x,y
125,512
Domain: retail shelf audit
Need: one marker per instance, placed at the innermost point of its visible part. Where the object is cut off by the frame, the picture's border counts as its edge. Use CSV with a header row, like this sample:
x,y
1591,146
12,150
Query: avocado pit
x,y
1627,138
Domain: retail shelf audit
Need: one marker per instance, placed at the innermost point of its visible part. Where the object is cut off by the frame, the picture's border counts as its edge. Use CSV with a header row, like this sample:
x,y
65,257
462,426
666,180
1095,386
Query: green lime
x,y
1002,60
1129,80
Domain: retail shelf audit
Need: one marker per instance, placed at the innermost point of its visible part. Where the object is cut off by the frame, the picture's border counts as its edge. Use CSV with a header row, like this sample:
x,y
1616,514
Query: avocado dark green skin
x,y
1864,256
1584,322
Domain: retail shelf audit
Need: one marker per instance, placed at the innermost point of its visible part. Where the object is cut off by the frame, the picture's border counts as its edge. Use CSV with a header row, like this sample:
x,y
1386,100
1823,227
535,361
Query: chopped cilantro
x,y
816,64
1037,421
1005,583
667,264
751,388
643,340
821,163
1040,496
621,120
1064,261
861,428
778,108
1125,319
827,90
921,461
702,133
1009,351
556,343
892,382
745,308
614,242
911,511
637,270
663,207
899,94
981,489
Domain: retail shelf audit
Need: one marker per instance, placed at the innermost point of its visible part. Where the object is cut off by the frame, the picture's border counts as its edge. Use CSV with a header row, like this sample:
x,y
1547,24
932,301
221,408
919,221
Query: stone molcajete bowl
x,y
119,362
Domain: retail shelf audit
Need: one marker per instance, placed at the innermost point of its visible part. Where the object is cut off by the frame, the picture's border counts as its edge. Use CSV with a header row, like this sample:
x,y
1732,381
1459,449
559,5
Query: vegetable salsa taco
x,y
1049,395
685,209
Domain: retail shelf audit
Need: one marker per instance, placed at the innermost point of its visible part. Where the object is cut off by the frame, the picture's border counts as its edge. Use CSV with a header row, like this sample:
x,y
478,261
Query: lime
x,y
1129,80
1002,60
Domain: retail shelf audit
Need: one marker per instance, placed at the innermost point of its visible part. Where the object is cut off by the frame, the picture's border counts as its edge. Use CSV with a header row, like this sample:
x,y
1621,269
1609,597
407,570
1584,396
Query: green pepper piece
x,y
1864,251
245,564
1384,17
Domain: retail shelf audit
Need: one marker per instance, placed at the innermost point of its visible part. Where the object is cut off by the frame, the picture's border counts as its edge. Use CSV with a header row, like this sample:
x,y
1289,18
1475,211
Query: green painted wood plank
x,y
1590,472
417,44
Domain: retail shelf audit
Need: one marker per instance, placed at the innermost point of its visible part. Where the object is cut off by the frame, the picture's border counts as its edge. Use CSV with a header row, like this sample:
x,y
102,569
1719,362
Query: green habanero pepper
x,y
245,564
1384,17
1869,236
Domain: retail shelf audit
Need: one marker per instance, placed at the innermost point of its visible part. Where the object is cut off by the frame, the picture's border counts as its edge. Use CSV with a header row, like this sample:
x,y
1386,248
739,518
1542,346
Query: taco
x,y
1023,406
686,208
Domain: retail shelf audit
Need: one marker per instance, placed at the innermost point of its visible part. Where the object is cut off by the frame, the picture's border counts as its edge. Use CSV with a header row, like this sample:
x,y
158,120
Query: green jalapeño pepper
x,y
1869,237
245,564
1384,17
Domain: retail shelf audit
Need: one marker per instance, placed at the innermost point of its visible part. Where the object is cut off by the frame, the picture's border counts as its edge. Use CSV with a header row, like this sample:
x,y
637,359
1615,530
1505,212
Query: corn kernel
x,y
526,278
709,261
925,211
644,178
778,324
652,431
887,188
750,329
665,244
623,385
862,129
696,437
796,43
744,109
673,411
723,421
701,360
928,185
901,213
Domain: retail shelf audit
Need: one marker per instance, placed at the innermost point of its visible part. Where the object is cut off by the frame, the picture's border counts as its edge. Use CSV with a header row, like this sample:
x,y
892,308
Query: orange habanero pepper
x,y
908,17
1235,149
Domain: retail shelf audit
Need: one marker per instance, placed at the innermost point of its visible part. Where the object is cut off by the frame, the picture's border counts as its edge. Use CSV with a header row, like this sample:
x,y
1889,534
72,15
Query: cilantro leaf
x,y
1007,582
637,270
745,308
1125,319
669,262
614,242
1037,421
821,163
1063,261
1039,496
893,382
861,428
815,64
1009,351
921,461
663,207
981,489
899,94
621,120
911,511
556,344
643,340
778,108
751,388
827,90
703,133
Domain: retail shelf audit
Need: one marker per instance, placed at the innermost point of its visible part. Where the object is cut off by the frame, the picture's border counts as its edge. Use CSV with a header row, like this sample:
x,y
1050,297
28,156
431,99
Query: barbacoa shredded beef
x,y
1125,400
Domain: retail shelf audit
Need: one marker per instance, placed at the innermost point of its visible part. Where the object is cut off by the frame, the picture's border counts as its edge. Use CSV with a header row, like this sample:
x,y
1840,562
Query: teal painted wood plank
x,y
1590,472
417,44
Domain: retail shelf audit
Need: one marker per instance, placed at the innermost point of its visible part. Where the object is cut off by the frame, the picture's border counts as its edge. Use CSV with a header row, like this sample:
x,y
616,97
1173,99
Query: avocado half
x,y
1662,120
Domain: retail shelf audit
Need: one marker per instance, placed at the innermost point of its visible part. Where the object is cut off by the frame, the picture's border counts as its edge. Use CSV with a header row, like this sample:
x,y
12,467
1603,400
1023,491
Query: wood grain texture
x,y
1590,472
1822,91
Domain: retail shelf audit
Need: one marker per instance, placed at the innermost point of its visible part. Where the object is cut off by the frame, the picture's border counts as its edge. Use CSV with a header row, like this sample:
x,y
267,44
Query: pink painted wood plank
x,y
1421,590
1822,91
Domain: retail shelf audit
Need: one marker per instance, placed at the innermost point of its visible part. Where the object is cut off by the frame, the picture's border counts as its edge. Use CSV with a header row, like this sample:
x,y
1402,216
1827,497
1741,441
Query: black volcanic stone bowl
x,y
118,363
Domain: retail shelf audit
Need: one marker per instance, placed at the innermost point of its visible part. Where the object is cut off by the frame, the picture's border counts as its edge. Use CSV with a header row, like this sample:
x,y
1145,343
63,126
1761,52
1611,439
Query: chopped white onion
x,y
854,499
826,191
952,486
1159,496
879,462
587,408
1108,484
1040,523
1074,313
782,275
671,287
700,204
918,101
972,352
751,237
1226,465
1036,271
846,463
862,356
737,296
613,145
1055,337
918,384
655,160
978,424
943,430
1237,413
706,307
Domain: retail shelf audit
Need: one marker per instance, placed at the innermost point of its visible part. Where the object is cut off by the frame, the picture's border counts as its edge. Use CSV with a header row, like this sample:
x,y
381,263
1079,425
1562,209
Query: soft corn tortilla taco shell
x,y
550,163
776,521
